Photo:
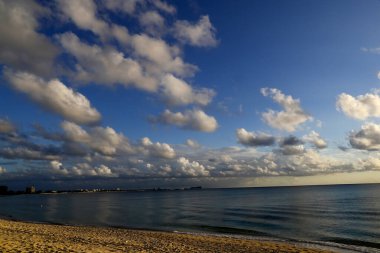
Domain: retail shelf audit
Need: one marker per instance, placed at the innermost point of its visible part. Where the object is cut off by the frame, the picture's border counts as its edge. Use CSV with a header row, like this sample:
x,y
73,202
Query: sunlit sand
x,y
30,237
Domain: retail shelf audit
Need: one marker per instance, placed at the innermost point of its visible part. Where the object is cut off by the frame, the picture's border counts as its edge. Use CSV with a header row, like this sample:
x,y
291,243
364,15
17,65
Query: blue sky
x,y
145,93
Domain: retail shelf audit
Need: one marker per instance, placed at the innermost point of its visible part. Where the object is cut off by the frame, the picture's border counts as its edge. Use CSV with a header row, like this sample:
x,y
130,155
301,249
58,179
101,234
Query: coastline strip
x,y
33,237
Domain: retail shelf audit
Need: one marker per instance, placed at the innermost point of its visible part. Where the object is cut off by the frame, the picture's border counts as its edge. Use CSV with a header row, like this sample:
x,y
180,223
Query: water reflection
x,y
309,213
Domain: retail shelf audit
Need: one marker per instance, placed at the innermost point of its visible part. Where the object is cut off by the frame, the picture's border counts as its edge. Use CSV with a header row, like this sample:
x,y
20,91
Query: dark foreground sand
x,y
30,237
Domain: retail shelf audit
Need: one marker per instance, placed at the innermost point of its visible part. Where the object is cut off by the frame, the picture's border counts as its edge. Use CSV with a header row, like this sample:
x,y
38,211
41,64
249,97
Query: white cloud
x,y
152,22
105,65
290,118
254,139
160,57
194,119
2,170
193,168
360,107
74,132
315,139
107,142
367,138
55,97
152,63
192,143
250,163
83,14
311,162
85,169
104,140
370,163
201,34
21,46
157,149
57,167
128,6
177,92
103,170
6,126
163,6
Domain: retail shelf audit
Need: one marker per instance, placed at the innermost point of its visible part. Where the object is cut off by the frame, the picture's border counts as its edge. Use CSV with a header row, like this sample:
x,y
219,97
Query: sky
x,y
154,93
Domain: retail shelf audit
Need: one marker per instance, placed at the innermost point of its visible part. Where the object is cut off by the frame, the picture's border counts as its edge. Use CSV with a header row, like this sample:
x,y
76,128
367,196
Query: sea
x,y
342,216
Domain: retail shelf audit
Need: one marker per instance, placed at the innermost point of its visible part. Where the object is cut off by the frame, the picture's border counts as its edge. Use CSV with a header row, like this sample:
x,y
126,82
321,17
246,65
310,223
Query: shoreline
x,y
48,237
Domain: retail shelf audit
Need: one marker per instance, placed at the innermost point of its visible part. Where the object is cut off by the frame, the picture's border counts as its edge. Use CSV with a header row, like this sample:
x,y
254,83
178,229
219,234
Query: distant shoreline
x,y
158,189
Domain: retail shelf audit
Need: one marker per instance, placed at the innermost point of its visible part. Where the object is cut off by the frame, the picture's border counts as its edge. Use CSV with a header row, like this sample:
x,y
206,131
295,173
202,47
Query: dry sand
x,y
31,237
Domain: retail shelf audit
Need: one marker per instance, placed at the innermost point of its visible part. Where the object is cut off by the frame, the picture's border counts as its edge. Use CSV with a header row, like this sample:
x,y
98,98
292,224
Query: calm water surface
x,y
348,214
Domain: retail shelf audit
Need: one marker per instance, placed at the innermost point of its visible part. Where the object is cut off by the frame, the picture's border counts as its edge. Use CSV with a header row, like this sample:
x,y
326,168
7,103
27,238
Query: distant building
x,y
3,189
30,189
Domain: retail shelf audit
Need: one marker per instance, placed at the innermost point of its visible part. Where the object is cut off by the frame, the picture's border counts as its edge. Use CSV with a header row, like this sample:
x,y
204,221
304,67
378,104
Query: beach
x,y
16,236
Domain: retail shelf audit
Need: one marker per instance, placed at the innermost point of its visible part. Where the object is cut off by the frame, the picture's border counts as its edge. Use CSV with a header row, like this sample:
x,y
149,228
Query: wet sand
x,y
18,236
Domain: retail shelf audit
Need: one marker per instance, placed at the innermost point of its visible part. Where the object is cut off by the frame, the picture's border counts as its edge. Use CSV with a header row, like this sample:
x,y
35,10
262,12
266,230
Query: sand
x,y
18,236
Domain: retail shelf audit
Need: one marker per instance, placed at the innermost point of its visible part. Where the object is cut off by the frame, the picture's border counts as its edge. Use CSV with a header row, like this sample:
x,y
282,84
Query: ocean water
x,y
345,214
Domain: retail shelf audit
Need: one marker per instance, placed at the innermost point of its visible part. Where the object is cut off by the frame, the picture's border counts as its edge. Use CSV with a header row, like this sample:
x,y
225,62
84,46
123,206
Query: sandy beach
x,y
30,237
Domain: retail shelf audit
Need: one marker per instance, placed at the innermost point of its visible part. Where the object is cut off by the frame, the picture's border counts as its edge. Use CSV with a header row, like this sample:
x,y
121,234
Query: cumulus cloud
x,y
292,115
57,167
107,142
21,46
158,160
143,60
128,7
82,169
105,65
152,22
55,96
164,7
367,138
193,168
104,140
157,149
254,139
83,14
192,143
194,119
159,56
371,163
360,107
251,163
177,92
291,145
28,153
131,6
6,126
201,34
291,141
74,132
110,67
316,140
292,150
